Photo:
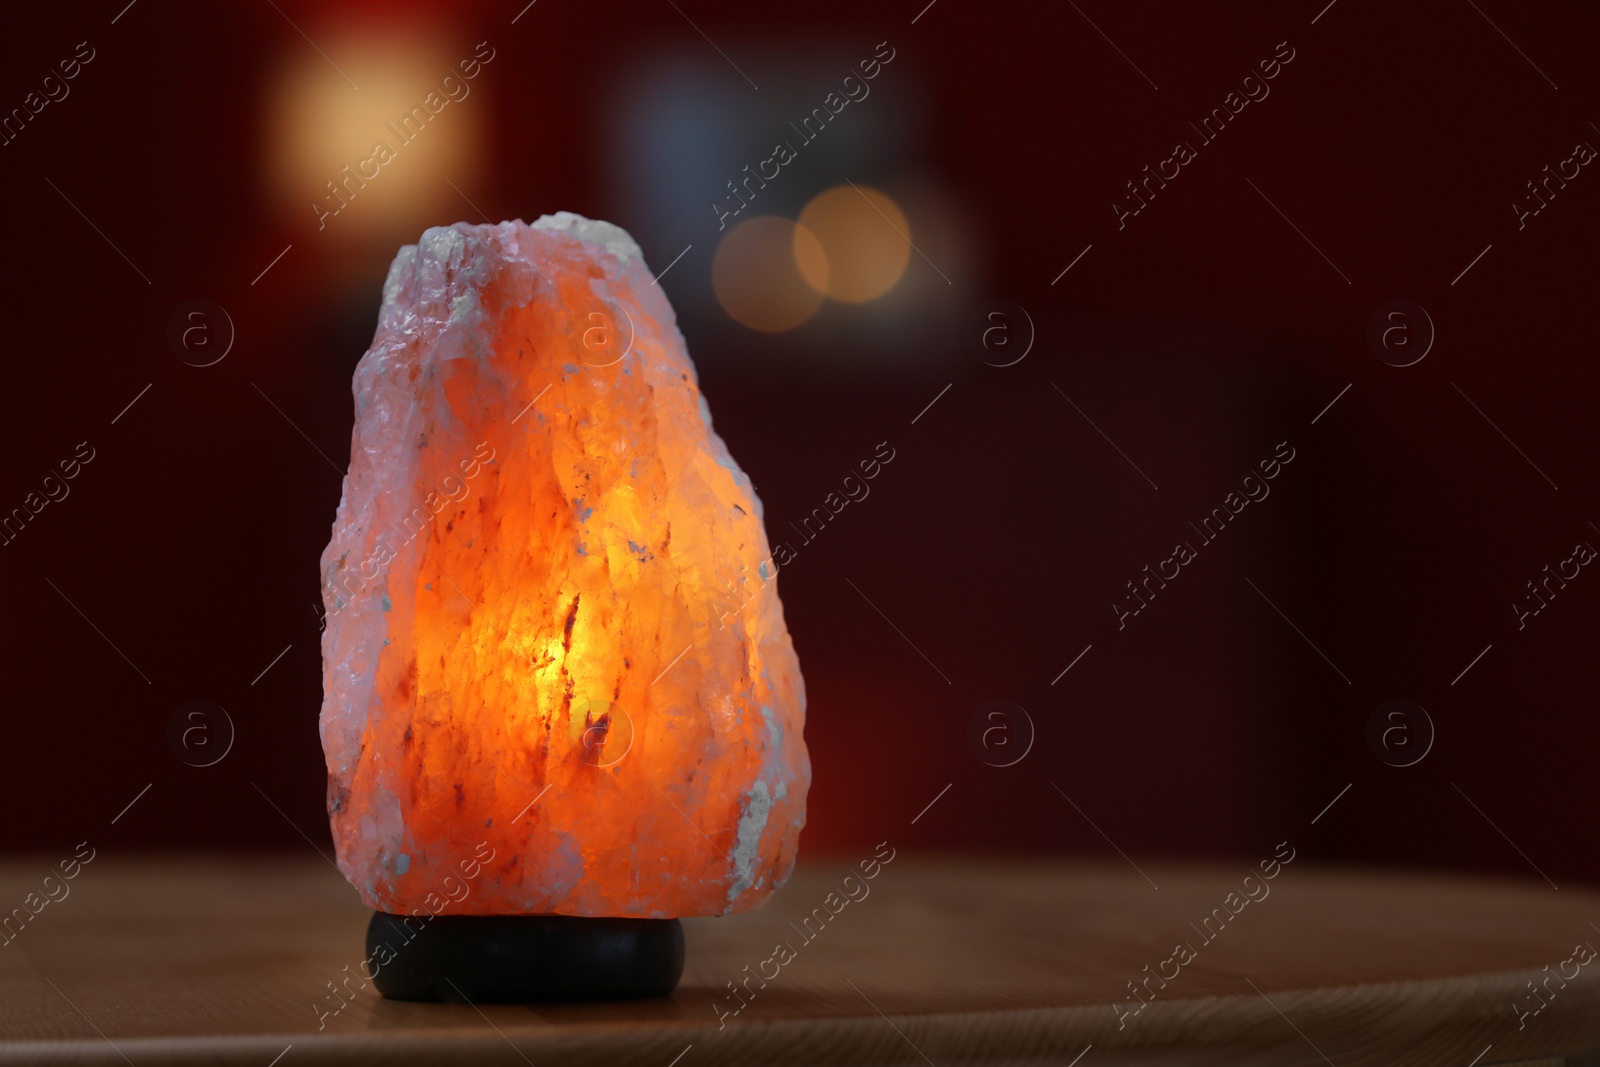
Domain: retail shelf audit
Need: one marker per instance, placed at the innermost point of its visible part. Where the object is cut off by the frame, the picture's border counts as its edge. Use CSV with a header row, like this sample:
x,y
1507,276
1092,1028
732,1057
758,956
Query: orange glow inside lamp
x,y
561,708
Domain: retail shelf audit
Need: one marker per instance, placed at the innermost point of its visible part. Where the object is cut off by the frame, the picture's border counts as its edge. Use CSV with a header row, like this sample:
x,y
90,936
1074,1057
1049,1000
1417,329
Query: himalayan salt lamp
x,y
561,708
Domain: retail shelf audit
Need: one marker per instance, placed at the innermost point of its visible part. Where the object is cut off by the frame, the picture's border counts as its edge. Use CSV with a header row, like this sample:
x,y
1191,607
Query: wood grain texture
x,y
949,963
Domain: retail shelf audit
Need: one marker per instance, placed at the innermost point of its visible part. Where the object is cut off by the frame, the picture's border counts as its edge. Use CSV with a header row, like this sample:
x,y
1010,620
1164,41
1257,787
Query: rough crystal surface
x,y
556,674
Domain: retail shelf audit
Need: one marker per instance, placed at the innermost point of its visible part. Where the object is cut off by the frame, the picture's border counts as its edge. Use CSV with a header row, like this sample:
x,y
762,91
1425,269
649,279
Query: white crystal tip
x,y
611,237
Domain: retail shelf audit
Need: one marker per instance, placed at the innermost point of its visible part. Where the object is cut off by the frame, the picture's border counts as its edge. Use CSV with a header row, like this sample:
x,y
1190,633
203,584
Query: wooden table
x,y
948,963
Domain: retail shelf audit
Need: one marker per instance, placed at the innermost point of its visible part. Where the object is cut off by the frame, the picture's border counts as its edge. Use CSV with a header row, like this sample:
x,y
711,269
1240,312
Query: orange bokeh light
x,y
761,273
865,242
328,113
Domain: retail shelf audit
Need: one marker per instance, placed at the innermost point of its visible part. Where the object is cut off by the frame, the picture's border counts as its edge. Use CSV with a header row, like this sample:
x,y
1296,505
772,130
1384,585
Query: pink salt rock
x,y
557,678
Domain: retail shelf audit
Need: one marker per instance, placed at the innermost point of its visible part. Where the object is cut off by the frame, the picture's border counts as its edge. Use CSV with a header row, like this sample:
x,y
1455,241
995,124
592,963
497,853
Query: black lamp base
x,y
523,958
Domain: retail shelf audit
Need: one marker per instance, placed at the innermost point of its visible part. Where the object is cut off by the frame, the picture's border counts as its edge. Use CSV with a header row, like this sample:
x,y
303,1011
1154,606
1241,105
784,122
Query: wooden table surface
x,y
948,963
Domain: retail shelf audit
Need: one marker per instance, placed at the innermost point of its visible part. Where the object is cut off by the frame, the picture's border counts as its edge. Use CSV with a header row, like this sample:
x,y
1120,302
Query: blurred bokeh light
x,y
865,238
331,108
765,273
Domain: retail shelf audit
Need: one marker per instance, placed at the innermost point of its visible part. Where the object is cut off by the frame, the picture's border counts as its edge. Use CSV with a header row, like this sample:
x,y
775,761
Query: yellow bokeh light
x,y
865,241
414,99
762,273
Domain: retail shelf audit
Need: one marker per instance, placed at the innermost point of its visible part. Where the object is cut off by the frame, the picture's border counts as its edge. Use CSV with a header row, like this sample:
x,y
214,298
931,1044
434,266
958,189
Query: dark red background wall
x,y
1196,338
